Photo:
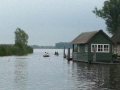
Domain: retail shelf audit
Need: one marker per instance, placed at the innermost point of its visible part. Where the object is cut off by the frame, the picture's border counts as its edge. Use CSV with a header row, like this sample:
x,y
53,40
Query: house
x,y
116,38
93,46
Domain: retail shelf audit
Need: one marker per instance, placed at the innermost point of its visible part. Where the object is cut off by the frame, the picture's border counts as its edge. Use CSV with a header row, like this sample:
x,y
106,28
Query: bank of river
x,y
34,72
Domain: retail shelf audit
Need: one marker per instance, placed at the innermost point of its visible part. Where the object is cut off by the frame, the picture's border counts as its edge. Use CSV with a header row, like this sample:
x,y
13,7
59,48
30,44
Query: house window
x,y
86,48
100,47
94,47
106,47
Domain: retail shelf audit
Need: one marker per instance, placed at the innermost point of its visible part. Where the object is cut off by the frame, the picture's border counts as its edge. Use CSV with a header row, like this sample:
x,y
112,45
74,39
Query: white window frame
x,y
101,48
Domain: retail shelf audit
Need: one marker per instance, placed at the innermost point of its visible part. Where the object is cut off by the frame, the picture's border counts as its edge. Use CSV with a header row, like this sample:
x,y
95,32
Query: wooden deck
x,y
93,62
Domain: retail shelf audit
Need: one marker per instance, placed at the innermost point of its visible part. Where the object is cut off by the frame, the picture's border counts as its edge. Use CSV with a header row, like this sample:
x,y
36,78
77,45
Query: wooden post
x,y
68,56
73,47
94,54
72,50
64,55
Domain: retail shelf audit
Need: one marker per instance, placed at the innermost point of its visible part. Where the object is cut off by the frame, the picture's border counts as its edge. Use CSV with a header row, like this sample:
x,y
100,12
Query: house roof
x,y
116,37
85,37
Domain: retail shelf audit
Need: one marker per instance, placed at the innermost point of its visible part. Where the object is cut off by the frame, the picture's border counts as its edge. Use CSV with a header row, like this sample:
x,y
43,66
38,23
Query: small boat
x,y
46,56
56,54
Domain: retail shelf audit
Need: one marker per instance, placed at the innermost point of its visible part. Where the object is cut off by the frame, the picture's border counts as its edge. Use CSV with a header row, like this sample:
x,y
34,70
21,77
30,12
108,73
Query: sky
x,y
48,21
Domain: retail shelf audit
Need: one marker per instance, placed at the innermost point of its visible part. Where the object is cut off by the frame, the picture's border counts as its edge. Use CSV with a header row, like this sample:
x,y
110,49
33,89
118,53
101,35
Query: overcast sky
x,y
48,21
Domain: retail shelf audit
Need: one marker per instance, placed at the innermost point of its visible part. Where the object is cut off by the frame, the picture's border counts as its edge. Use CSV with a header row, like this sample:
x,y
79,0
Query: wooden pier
x,y
117,62
68,57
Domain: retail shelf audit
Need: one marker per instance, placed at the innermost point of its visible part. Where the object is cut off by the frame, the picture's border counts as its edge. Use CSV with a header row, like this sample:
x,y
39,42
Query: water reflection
x,y
96,76
114,77
20,73
30,73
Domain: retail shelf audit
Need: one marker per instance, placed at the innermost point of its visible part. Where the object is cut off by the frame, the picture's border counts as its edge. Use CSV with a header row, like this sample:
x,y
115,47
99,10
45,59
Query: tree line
x,y
19,48
61,45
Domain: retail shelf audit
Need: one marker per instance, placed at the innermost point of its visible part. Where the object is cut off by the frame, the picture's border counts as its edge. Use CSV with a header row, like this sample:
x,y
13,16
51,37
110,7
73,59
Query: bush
x,y
6,50
115,55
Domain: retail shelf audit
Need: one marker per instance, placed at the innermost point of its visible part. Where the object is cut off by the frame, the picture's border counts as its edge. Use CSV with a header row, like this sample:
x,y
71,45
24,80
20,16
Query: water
x,y
34,72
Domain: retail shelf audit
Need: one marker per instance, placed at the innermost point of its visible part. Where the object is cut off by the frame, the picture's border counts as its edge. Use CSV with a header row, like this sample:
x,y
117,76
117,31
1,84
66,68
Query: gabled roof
x,y
116,37
85,37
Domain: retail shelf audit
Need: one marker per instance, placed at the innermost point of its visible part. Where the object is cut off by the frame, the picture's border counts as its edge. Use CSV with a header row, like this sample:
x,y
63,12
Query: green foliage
x,y
15,50
21,37
29,49
115,55
6,50
110,12
21,40
20,47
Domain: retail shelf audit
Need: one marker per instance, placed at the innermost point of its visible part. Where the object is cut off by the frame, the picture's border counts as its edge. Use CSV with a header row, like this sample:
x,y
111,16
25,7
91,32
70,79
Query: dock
x,y
68,57
117,62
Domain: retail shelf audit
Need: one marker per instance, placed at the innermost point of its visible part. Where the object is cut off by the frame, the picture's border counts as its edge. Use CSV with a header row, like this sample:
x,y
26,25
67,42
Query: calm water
x,y
34,72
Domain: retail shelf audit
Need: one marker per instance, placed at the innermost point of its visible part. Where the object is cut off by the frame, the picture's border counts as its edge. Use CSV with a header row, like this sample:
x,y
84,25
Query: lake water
x,y
34,72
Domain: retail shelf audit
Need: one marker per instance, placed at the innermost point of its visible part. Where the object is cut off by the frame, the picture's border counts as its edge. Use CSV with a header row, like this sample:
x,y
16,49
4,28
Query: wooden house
x,y
93,46
116,38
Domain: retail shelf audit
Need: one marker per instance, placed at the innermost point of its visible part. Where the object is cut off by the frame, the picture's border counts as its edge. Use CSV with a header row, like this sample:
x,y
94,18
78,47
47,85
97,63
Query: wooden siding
x,y
82,55
100,56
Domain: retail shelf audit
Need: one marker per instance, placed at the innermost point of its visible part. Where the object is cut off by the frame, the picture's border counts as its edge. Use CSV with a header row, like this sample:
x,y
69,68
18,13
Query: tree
x,y
110,12
21,38
20,47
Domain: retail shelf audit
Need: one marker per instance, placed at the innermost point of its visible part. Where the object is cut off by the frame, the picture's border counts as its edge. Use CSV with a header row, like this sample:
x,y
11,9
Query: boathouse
x,y
94,46
116,38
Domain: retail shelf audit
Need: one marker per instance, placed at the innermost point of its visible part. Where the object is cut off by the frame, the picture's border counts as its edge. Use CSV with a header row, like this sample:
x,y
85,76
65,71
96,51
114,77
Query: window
x,y
94,47
106,48
100,47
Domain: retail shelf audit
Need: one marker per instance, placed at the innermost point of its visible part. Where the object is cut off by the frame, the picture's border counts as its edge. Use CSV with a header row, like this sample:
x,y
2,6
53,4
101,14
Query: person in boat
x,y
55,52
47,54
